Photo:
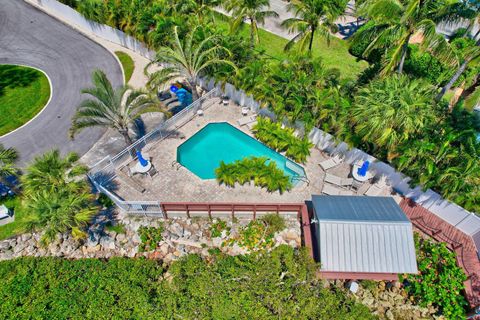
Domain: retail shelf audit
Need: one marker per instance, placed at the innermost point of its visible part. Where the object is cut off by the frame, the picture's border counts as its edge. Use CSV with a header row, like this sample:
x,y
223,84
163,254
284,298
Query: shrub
x,y
274,221
105,201
150,237
117,227
263,174
280,284
282,139
424,65
217,228
440,281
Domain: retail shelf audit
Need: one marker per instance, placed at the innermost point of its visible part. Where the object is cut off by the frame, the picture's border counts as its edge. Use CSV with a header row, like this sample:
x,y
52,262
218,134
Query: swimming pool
x,y
202,153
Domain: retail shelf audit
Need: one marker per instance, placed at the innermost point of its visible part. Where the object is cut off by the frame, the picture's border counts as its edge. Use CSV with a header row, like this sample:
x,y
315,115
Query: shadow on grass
x,y
14,76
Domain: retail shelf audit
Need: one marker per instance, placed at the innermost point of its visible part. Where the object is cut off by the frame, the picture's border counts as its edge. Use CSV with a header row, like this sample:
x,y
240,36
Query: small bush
x,y
254,236
117,227
105,201
275,222
217,228
150,237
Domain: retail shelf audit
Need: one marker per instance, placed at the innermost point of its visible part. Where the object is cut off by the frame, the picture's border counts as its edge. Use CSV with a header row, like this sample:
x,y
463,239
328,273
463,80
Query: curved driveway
x,y
31,37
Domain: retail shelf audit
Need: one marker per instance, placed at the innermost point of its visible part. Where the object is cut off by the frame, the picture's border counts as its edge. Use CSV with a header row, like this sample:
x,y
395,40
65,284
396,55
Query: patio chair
x,y
330,178
373,191
246,120
334,191
330,163
251,125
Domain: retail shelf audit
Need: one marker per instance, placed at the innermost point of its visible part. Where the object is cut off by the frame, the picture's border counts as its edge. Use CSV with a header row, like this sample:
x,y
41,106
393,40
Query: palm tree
x,y
395,22
201,8
251,10
188,60
312,16
465,58
7,161
113,108
390,111
57,196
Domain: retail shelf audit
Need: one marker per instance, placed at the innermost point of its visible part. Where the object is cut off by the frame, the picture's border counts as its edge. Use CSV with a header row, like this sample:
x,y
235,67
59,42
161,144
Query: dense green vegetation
x,y
263,173
57,196
281,284
127,64
282,139
24,92
440,280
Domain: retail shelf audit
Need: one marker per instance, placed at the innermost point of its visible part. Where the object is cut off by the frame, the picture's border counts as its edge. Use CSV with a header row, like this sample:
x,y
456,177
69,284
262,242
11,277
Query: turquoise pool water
x,y
202,153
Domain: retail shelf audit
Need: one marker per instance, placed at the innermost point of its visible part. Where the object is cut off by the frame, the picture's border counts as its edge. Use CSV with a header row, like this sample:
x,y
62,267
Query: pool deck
x,y
176,183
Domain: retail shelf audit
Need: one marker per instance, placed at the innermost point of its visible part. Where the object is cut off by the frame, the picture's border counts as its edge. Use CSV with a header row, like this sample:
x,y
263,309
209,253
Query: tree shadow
x,y
14,77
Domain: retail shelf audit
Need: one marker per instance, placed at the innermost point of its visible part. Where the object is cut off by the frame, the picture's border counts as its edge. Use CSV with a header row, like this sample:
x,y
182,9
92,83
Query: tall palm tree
x,y
109,107
390,111
252,11
394,23
465,58
57,196
312,17
7,161
188,60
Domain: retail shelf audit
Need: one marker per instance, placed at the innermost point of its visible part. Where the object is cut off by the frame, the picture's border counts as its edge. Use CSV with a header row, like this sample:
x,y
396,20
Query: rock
x,y
217,242
291,235
187,233
107,243
121,238
93,249
368,301
177,253
91,242
389,315
4,245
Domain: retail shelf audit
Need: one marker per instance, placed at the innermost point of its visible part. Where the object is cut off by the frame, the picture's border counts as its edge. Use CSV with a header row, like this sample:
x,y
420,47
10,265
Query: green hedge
x,y
278,285
282,139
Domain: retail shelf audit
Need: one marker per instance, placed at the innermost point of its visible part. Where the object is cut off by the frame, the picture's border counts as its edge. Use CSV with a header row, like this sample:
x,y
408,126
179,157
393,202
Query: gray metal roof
x,y
357,208
380,241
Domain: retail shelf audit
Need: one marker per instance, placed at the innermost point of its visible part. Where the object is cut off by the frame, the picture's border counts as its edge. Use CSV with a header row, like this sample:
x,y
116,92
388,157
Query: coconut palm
x,y
312,17
393,24
57,196
7,161
392,110
252,11
109,107
188,60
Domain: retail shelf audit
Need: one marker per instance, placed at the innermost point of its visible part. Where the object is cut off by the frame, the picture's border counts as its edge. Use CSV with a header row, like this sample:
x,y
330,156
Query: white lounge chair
x,y
246,120
377,188
334,191
330,163
330,178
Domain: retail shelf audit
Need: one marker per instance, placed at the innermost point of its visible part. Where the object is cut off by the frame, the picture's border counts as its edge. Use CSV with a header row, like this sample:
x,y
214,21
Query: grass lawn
x,y
335,55
472,100
127,64
23,93
15,227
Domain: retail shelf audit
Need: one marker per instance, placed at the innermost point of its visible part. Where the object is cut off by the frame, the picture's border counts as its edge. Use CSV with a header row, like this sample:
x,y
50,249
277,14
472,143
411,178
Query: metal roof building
x,y
361,237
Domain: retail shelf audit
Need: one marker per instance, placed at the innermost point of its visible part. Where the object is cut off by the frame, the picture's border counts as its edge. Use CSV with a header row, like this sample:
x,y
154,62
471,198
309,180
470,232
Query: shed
x,y
361,237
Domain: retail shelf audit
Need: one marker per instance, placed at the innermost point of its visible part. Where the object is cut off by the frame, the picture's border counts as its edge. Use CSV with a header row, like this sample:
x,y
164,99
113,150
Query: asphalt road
x,y
31,37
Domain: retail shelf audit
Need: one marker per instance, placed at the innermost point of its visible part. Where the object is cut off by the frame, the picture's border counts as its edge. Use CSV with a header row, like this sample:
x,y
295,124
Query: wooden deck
x,y
459,242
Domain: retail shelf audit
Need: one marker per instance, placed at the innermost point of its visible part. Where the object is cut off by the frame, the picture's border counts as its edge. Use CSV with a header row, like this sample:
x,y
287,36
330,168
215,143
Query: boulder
x,y
107,243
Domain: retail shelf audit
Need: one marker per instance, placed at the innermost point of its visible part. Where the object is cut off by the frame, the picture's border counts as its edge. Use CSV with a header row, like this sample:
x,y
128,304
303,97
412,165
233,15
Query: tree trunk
x,y
195,94
454,78
252,33
404,54
126,137
311,40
